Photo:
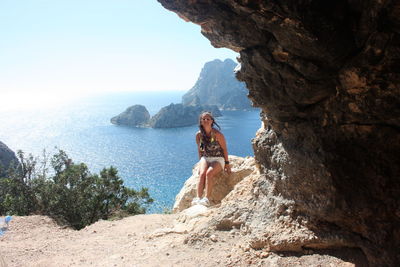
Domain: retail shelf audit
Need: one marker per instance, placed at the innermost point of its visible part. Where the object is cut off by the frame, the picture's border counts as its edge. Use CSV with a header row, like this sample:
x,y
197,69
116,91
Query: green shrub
x,y
71,194
15,197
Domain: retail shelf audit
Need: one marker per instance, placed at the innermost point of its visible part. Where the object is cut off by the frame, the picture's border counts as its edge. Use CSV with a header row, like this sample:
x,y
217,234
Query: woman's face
x,y
206,120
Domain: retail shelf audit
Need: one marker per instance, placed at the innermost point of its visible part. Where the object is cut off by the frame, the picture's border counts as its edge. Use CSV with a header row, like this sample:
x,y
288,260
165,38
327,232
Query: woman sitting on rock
x,y
213,155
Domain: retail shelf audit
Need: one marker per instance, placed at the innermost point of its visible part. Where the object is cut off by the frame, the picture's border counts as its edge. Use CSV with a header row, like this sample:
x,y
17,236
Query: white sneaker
x,y
195,201
204,201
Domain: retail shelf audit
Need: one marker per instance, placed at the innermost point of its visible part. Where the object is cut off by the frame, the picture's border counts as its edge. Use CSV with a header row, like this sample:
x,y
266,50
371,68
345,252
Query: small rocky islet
x,y
216,88
173,115
136,116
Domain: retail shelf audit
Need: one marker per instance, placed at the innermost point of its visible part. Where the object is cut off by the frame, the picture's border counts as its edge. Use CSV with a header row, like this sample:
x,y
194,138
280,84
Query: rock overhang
x,y
326,77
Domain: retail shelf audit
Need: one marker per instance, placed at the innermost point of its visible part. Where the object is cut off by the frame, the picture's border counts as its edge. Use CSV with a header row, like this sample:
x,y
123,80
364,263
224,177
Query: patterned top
x,y
212,148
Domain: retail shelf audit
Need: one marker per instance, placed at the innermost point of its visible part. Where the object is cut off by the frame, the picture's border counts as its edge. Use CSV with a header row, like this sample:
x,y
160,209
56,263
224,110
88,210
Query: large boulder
x,y
179,115
137,116
7,158
224,183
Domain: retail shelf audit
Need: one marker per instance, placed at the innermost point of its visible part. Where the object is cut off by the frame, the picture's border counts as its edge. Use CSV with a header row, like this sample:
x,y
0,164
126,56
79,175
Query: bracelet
x,y
226,162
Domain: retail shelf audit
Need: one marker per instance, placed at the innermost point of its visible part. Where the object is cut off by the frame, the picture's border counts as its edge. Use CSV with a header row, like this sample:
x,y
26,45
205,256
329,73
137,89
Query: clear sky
x,y
61,48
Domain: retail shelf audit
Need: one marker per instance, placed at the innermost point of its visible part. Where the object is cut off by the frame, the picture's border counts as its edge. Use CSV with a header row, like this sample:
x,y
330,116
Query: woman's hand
x,y
227,168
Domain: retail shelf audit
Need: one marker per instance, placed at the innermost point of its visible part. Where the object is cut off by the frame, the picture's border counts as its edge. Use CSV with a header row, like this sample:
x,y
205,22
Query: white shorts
x,y
209,160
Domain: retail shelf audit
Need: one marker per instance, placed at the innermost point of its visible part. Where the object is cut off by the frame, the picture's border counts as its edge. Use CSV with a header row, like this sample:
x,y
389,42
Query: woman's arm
x,y
198,143
221,140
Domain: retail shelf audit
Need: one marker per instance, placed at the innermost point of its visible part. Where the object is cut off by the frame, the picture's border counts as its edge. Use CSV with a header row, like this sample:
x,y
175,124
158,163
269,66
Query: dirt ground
x,y
142,240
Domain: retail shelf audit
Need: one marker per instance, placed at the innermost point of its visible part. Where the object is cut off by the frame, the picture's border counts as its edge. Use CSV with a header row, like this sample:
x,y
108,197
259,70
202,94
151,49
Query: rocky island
x,y
173,115
218,85
179,115
216,88
137,116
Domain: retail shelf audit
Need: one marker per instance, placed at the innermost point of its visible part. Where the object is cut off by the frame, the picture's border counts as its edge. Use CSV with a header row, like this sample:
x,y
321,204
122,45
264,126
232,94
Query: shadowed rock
x,y
7,158
326,76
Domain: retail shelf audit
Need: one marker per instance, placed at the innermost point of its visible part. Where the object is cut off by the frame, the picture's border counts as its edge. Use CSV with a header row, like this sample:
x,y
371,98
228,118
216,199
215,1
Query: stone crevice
x,y
361,124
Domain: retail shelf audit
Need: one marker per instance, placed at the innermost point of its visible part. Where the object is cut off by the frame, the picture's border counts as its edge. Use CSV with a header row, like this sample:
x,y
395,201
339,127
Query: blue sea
x,y
159,159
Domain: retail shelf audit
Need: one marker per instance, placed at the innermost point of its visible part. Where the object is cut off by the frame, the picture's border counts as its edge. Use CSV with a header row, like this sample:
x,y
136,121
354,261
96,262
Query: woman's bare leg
x,y
202,177
213,169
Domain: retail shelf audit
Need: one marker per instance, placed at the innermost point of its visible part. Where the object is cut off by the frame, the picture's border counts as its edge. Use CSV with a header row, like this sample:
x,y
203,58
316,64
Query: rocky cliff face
x,y
7,157
326,75
217,85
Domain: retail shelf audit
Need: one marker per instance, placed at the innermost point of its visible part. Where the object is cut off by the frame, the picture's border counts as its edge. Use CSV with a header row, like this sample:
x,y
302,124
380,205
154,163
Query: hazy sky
x,y
67,47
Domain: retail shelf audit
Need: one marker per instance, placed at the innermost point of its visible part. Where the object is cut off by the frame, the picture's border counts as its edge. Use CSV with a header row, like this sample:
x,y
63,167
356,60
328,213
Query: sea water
x,y
159,159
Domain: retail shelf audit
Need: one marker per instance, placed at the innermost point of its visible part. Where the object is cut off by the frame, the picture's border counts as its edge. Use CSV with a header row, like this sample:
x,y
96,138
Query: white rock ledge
x,y
224,183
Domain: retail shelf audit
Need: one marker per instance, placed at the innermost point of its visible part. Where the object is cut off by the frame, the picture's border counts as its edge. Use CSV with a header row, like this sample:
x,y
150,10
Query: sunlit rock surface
x,y
223,185
326,75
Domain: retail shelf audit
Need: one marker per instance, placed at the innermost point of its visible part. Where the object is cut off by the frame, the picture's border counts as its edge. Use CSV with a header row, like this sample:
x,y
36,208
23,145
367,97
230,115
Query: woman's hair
x,y
202,131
